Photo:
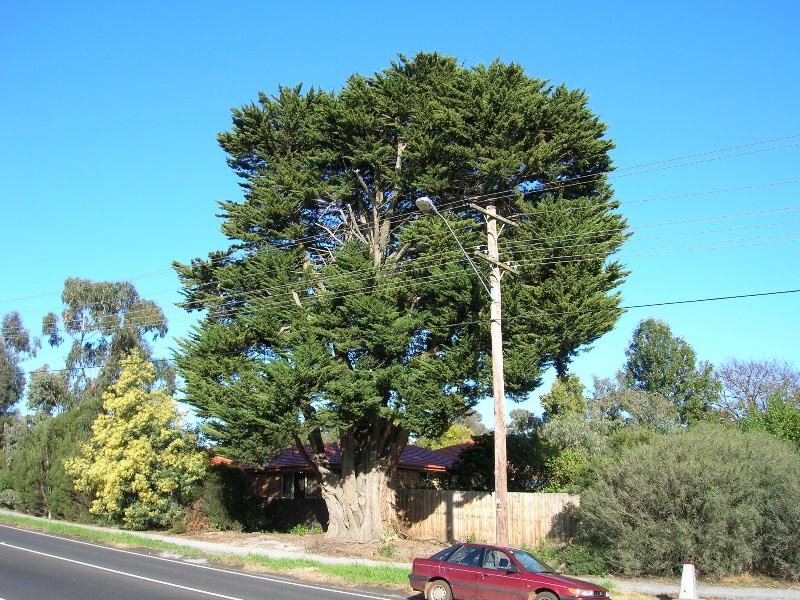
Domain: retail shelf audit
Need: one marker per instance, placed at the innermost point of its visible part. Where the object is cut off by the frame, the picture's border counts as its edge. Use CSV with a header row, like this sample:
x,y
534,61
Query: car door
x,y
464,572
499,579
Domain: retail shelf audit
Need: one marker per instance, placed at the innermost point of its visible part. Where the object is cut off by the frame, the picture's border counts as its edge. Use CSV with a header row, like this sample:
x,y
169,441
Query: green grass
x,y
348,574
92,535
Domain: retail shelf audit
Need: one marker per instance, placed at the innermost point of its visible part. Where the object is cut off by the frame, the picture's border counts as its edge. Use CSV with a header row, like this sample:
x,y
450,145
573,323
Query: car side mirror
x,y
512,569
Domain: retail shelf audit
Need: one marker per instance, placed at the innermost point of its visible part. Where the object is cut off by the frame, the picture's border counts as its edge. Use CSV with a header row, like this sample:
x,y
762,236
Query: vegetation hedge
x,y
226,502
726,499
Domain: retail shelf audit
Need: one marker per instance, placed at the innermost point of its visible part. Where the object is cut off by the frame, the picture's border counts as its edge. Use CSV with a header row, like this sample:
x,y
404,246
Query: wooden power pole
x,y
498,380
492,255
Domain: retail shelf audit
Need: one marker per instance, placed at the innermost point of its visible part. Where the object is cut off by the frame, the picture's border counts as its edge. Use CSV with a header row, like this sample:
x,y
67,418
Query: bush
x,y
386,550
226,502
728,500
583,559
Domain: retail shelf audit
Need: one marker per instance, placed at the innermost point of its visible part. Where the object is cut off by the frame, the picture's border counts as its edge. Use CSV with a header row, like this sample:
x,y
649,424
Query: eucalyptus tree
x,y
105,321
48,391
16,345
338,306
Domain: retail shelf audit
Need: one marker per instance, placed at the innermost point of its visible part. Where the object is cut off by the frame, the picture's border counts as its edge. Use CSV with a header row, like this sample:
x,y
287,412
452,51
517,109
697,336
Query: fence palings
x,y
453,515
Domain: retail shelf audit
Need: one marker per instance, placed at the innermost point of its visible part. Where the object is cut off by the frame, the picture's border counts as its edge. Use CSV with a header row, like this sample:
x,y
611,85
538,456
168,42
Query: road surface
x,y
42,566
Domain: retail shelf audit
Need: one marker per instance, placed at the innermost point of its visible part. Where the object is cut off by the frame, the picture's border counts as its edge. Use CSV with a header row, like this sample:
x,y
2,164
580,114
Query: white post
x,y
688,582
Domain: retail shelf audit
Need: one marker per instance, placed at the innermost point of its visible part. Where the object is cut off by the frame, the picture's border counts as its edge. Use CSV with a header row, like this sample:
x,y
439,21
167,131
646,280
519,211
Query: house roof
x,y
456,449
412,457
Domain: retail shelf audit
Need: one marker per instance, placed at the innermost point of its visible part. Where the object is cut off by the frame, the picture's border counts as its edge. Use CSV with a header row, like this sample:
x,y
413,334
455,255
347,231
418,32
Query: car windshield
x,y
530,563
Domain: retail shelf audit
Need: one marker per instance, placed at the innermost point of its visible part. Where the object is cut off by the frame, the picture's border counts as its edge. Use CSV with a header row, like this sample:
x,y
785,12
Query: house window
x,y
298,485
287,485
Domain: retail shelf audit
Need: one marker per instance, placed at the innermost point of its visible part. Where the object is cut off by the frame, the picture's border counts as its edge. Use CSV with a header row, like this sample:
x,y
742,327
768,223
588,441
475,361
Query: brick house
x,y
291,494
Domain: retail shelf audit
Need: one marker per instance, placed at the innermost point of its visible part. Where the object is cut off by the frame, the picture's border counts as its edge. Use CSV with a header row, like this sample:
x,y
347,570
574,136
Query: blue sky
x,y
109,168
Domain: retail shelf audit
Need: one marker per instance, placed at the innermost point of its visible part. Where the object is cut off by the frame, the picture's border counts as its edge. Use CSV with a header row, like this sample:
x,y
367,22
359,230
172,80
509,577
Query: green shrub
x,y
299,529
546,551
226,500
583,559
728,500
386,550
178,527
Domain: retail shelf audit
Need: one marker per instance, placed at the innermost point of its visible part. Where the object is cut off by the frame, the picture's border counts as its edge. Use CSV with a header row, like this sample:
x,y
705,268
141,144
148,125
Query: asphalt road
x,y
41,566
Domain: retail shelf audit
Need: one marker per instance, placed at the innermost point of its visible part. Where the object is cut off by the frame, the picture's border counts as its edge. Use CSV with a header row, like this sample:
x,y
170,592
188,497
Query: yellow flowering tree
x,y
141,463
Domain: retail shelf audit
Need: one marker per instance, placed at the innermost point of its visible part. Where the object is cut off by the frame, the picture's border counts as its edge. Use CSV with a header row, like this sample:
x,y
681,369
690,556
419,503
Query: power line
x,y
536,315
564,258
559,185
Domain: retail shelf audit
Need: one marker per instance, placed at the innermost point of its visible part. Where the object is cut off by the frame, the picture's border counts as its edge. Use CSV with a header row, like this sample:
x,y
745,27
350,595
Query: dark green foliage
x,y
226,500
36,473
730,501
336,294
474,469
659,362
339,306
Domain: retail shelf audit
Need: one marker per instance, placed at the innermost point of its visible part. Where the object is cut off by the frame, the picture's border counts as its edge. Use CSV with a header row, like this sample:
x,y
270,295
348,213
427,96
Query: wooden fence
x,y
448,515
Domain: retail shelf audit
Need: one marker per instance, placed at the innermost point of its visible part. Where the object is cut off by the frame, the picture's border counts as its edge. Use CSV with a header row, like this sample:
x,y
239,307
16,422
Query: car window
x,y
496,559
445,554
467,555
532,564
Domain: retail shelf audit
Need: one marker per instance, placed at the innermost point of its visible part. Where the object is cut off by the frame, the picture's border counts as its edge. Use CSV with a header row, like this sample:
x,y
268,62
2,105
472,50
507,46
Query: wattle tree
x,y
340,309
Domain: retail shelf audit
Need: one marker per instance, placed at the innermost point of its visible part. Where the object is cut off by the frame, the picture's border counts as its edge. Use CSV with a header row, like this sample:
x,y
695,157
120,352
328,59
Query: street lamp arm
x,y
426,205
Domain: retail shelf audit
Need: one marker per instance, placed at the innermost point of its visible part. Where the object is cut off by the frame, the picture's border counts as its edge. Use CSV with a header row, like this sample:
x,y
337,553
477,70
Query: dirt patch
x,y
395,550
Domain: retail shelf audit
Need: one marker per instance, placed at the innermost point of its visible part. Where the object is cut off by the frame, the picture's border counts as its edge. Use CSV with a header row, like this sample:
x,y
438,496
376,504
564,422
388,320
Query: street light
x,y
425,204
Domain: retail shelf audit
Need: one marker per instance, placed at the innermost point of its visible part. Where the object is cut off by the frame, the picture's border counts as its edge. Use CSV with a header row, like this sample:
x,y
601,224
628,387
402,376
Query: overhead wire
x,y
585,246
538,314
560,184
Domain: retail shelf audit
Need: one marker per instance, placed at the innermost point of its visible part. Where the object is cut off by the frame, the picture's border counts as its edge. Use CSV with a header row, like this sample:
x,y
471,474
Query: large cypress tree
x,y
339,307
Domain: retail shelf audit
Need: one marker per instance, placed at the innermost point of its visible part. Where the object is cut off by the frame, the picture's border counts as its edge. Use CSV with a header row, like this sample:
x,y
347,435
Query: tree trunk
x,y
361,498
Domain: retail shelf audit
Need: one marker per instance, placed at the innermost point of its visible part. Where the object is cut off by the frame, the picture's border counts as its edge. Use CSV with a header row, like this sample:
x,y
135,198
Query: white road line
x,y
116,572
195,565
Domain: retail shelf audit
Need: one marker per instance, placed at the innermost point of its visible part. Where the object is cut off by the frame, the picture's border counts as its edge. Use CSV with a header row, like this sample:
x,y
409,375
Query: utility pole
x,y
498,379
492,256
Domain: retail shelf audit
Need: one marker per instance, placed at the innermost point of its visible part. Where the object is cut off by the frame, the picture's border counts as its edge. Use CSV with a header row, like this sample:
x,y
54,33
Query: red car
x,y
480,571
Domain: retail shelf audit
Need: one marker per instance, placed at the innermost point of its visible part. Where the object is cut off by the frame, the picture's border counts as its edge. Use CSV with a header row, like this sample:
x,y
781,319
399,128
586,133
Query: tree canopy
x,y
106,321
15,345
660,362
142,463
338,306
